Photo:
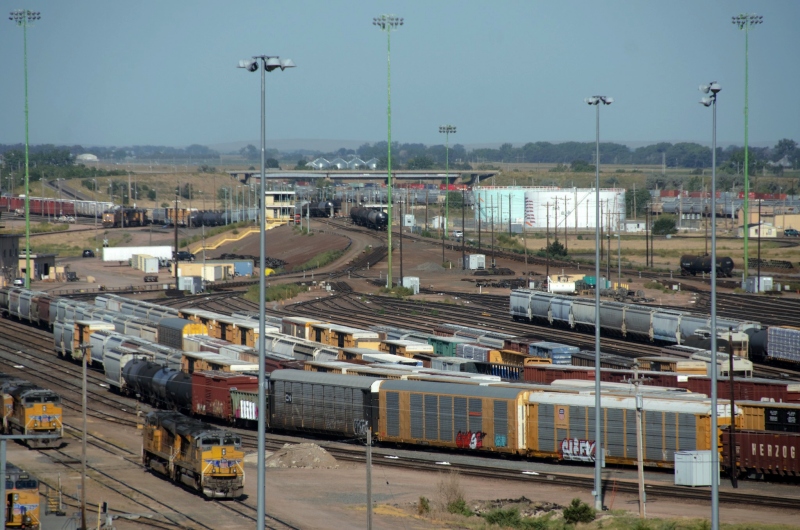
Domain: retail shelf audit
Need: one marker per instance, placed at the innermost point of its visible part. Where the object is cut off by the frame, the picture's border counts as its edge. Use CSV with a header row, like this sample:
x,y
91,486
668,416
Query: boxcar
x,y
454,415
211,392
330,404
763,453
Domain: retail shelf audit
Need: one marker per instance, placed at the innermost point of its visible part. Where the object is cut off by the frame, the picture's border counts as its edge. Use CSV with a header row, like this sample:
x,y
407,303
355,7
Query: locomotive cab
x,y
22,499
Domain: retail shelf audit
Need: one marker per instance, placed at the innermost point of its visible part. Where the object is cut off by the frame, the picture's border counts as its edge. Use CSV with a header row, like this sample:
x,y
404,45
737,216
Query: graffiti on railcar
x,y
470,440
578,450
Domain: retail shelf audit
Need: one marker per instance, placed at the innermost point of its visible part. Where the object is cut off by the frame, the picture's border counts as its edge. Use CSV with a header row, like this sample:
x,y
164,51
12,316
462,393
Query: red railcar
x,y
763,452
38,206
546,374
520,344
745,389
211,392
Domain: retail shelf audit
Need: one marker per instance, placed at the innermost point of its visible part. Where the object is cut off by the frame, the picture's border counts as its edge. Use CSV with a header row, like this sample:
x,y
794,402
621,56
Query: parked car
x,y
791,232
458,234
184,255
19,282
88,253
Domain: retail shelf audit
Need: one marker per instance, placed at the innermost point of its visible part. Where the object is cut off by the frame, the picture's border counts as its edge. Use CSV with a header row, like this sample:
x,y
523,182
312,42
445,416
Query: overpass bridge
x,y
470,177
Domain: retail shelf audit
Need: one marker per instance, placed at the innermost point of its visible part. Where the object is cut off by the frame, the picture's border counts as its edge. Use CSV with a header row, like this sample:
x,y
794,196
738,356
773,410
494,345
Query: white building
x,y
87,157
767,230
538,207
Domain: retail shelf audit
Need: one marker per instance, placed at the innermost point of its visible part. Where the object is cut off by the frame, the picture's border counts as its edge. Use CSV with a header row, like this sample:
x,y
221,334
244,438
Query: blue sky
x,y
154,72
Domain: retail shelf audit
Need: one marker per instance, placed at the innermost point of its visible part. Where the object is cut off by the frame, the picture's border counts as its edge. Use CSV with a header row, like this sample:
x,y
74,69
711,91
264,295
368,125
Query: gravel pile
x,y
304,455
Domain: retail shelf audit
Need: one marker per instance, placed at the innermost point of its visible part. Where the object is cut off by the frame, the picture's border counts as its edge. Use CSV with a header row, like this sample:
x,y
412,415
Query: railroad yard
x,y
327,489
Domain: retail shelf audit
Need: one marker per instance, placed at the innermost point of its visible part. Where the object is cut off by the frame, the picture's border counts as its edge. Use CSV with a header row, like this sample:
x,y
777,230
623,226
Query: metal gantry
x,y
598,455
268,63
22,17
388,23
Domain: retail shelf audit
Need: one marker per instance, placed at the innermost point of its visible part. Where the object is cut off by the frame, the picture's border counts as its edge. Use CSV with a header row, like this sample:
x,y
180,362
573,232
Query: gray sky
x,y
155,72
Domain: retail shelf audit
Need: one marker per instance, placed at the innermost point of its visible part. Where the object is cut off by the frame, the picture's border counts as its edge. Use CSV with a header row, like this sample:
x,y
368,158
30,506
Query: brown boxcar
x,y
763,452
211,392
750,389
520,344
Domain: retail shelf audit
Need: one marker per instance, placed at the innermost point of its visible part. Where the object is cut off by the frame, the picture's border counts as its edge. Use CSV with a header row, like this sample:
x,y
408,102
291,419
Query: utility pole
x,y
647,237
509,214
426,210
175,220
565,224
369,478
479,223
732,447
83,348
401,241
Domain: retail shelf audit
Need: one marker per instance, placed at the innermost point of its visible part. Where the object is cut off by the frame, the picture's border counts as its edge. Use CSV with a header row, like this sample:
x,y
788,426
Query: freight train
x,y
694,265
370,218
55,207
638,322
122,217
31,410
533,420
190,452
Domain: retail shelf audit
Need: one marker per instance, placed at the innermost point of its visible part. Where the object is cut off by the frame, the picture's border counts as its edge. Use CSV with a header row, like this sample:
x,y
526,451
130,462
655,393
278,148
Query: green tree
x,y
664,225
783,148
250,152
272,163
301,164
556,249
642,198
455,199
420,162
582,166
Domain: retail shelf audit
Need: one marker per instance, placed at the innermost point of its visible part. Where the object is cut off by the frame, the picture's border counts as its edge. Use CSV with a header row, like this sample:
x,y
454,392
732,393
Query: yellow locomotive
x,y
22,499
29,410
194,453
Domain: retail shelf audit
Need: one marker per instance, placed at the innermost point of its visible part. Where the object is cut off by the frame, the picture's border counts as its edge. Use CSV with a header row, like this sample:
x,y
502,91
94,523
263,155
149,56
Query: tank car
x,y
692,265
322,209
370,218
190,452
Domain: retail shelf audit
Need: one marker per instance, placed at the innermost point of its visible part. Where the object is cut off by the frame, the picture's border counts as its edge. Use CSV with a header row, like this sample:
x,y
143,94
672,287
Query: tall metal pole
x,y
83,442
447,130
744,21
21,18
463,234
388,23
267,63
598,433
714,88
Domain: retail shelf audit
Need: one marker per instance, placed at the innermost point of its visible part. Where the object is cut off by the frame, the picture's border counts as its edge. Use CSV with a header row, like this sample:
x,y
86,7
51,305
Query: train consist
x,y
190,452
30,410
55,207
535,411
122,217
638,322
375,219
694,265
22,499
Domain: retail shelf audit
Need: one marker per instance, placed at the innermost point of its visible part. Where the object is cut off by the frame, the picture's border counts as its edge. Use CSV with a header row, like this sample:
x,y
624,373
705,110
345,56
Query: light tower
x,y
388,23
447,130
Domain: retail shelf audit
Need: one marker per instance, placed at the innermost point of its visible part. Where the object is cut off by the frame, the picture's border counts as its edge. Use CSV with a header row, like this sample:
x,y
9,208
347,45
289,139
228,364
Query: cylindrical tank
x,y
159,384
179,391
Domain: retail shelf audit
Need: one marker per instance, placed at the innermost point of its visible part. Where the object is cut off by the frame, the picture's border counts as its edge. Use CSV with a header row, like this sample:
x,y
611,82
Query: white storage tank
x,y
475,261
411,282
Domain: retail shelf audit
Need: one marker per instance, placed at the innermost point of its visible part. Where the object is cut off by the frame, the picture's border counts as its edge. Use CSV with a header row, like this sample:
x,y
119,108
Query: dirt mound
x,y
429,267
305,455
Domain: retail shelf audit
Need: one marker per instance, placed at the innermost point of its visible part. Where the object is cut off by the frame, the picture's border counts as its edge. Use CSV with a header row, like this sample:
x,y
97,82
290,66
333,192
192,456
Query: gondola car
x,y
196,454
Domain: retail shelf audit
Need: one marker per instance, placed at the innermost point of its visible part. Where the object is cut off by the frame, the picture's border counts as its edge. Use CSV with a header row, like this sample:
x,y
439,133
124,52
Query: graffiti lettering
x,y
360,427
578,450
469,440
